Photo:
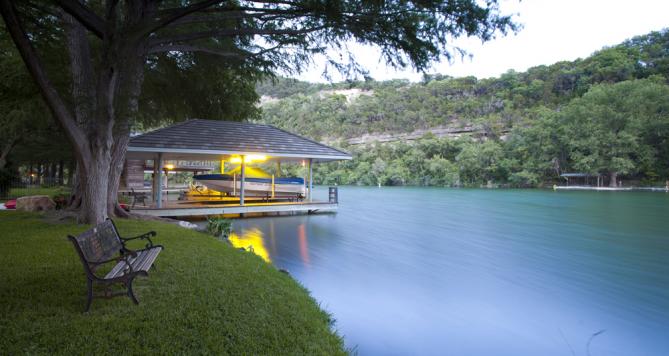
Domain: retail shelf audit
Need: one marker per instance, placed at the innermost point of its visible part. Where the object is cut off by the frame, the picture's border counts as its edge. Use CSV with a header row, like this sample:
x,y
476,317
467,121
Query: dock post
x,y
333,195
241,183
311,181
158,180
273,187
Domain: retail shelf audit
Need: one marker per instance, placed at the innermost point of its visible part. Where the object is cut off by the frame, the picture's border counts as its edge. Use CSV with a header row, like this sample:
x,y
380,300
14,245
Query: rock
x,y
35,203
187,225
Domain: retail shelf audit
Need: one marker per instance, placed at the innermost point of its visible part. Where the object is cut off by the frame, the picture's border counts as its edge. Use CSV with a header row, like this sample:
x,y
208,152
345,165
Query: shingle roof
x,y
230,137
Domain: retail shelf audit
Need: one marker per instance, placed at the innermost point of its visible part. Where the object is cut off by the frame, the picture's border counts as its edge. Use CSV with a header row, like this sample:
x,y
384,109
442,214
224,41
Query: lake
x,y
482,272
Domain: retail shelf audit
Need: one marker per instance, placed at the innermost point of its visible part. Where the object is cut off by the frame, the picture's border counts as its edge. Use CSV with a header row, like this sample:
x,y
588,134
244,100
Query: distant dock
x,y
612,189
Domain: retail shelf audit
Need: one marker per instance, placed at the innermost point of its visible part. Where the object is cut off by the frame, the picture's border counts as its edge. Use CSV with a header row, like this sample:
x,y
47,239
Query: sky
x,y
553,30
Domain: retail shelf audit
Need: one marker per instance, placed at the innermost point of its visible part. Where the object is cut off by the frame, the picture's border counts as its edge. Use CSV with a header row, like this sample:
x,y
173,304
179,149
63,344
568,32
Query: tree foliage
x,y
110,44
603,115
24,118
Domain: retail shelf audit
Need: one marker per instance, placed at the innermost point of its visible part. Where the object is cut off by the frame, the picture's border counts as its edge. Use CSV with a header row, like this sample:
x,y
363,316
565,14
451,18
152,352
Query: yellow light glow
x,y
256,158
248,159
169,166
251,240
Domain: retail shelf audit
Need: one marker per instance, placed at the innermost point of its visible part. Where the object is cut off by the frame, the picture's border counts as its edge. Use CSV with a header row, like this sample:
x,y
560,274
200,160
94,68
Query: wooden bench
x,y
102,245
138,197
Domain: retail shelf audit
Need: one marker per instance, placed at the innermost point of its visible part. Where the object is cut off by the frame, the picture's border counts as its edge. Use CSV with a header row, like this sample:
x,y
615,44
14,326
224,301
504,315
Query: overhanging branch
x,y
221,53
150,26
191,48
85,15
184,37
36,70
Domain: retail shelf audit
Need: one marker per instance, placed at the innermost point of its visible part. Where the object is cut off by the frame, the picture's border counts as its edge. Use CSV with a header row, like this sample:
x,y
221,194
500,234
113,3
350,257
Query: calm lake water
x,y
482,272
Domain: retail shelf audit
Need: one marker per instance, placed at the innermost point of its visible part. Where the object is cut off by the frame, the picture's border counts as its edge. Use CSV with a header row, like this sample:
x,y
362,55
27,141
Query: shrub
x,y
219,227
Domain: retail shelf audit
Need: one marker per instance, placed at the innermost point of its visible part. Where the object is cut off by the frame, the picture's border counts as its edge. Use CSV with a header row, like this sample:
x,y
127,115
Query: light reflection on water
x,y
480,272
251,240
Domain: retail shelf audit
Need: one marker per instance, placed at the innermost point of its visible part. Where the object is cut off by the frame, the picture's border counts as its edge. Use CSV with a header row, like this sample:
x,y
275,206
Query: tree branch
x,y
7,149
147,28
228,32
32,61
212,16
191,48
85,15
81,68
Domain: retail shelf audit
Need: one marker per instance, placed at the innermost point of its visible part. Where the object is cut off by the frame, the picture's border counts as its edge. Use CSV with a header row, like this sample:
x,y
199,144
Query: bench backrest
x,y
99,243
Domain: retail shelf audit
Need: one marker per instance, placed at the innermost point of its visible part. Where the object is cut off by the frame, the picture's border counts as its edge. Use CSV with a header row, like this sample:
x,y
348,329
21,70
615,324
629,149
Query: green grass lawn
x,y
206,297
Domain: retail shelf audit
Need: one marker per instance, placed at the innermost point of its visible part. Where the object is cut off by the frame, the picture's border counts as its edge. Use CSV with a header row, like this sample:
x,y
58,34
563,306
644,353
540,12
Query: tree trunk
x,y
61,171
613,180
117,162
52,173
6,149
70,173
74,182
131,79
104,99
93,185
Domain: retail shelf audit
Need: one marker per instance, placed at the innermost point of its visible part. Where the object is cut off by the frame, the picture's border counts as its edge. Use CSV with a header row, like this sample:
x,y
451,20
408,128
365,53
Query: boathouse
x,y
200,141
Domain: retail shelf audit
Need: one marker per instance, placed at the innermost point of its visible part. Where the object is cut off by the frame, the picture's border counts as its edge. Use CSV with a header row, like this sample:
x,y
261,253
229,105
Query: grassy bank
x,y
205,297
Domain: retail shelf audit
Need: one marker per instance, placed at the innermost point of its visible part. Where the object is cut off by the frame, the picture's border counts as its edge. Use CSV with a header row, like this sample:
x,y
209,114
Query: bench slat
x,y
149,259
142,262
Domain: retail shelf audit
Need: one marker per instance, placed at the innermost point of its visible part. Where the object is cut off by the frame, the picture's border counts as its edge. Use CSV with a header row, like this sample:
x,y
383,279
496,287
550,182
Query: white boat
x,y
252,185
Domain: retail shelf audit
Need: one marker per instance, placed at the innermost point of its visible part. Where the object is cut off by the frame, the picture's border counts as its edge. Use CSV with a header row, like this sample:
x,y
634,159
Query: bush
x,y
7,177
61,200
219,227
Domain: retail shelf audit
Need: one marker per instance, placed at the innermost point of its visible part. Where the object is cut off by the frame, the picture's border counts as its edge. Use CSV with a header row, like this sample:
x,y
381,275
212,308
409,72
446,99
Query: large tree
x,y
618,128
109,44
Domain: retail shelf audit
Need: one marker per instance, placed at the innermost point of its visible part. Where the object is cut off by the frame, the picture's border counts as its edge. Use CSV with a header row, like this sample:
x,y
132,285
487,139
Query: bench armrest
x,y
99,263
146,236
116,259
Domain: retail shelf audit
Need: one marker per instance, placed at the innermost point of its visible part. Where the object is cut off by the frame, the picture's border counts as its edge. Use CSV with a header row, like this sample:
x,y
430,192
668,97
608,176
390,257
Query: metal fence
x,y
31,185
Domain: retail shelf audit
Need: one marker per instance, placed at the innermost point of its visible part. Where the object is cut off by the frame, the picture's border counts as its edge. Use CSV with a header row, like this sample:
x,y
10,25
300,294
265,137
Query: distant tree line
x,y
606,115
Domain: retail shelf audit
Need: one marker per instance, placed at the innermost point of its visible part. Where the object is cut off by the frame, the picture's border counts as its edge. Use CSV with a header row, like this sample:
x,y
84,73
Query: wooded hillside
x,y
606,114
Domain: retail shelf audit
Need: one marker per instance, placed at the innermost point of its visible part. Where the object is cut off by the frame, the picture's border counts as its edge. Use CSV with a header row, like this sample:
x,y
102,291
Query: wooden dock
x,y
613,189
176,209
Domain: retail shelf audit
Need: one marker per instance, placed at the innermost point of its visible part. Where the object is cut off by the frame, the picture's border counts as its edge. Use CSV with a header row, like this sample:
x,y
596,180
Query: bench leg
x,y
130,293
90,295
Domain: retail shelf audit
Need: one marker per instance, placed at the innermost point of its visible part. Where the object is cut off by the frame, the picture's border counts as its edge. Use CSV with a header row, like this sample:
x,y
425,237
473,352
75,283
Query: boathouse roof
x,y
199,139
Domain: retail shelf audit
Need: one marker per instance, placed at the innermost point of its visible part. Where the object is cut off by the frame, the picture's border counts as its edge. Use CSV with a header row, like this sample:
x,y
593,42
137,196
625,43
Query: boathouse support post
x,y
304,180
241,183
311,180
158,180
273,187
